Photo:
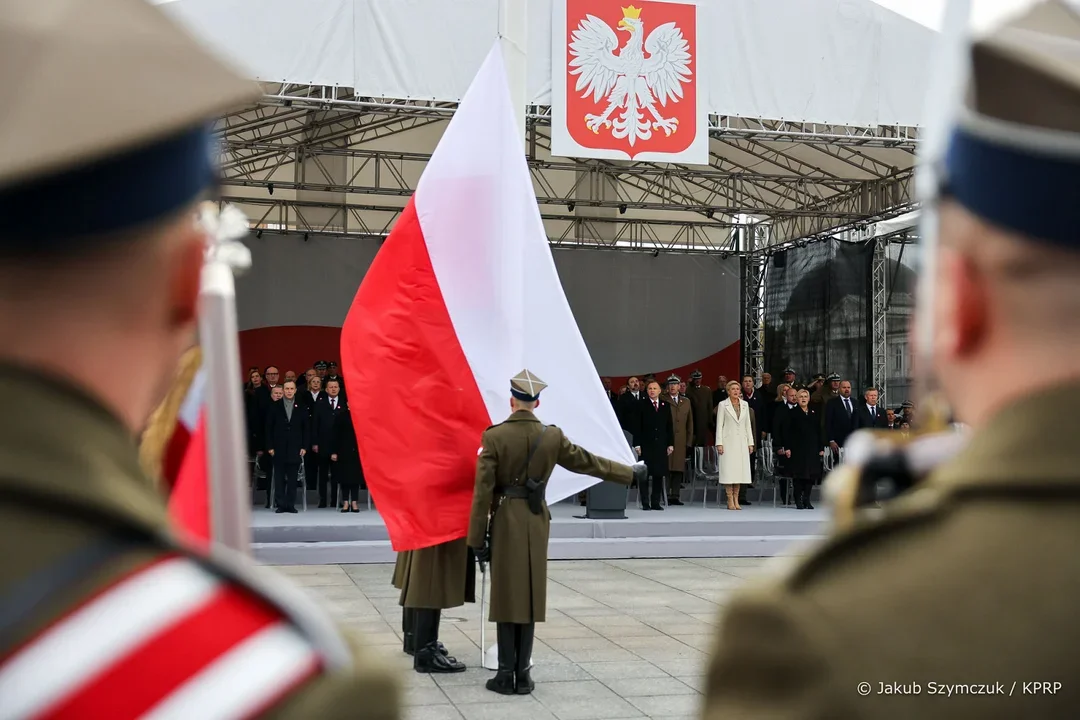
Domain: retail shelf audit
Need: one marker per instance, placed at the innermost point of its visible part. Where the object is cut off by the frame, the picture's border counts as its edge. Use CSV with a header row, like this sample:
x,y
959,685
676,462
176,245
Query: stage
x,y
326,536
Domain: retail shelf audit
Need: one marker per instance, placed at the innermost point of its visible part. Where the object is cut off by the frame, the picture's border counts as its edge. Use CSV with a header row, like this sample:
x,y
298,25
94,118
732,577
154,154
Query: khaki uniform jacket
x,y
436,578
703,412
820,399
973,577
519,539
682,420
70,479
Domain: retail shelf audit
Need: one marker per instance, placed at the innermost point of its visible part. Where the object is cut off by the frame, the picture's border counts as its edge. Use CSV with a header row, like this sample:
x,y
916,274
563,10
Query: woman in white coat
x,y
734,443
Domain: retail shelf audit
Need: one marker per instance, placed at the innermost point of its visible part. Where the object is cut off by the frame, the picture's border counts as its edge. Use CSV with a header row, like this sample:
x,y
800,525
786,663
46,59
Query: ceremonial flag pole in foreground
x,y
462,295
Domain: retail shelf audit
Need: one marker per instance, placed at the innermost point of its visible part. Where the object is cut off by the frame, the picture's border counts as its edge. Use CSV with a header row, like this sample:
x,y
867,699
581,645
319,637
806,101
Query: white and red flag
x,y
461,297
185,469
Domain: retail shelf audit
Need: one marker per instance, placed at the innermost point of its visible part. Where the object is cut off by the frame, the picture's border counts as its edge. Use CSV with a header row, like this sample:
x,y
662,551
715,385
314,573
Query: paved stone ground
x,y
624,638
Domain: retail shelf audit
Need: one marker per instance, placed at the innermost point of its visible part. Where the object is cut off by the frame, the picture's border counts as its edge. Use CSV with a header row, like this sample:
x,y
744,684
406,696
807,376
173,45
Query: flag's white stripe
x,y
193,401
70,654
243,680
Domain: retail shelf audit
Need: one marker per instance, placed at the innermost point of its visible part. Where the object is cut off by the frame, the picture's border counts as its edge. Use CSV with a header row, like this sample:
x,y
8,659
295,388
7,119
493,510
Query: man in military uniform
x,y
431,580
820,398
103,611
701,404
682,421
971,576
515,461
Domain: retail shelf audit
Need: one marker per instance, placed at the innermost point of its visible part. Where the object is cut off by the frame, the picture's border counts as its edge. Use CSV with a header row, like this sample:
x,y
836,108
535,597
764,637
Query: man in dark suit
x,y
868,414
332,374
287,440
840,417
324,423
612,397
628,406
654,441
756,401
309,400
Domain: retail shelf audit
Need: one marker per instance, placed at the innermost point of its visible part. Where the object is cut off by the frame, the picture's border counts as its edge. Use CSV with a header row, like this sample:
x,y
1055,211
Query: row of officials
x,y
954,600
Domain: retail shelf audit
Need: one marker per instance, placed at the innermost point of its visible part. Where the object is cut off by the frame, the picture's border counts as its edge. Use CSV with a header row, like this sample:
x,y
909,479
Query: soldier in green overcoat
x,y
957,598
515,461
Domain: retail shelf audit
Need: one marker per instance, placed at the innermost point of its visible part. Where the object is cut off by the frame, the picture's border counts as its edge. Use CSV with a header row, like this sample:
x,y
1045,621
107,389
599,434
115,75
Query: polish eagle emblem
x,y
631,79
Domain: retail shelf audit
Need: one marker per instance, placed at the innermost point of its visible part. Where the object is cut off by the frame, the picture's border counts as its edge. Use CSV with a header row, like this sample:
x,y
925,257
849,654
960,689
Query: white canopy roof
x,y
836,62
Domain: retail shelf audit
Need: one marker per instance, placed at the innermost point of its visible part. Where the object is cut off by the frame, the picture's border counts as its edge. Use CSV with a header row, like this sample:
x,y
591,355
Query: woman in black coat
x,y
345,460
803,444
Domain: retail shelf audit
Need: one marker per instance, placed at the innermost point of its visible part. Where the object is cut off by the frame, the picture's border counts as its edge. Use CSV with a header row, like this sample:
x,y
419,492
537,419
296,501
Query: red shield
x,y
631,75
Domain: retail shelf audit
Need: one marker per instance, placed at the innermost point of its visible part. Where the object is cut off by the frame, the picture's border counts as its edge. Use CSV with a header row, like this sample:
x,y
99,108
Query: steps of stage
x,y
325,537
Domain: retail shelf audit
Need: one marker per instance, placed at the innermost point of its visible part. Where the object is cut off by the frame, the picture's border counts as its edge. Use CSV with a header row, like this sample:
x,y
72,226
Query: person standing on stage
x,y
654,442
682,421
516,458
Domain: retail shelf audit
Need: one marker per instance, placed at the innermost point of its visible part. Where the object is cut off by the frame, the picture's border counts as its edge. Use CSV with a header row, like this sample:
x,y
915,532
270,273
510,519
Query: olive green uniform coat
x,y
682,420
519,538
703,411
971,577
70,478
436,578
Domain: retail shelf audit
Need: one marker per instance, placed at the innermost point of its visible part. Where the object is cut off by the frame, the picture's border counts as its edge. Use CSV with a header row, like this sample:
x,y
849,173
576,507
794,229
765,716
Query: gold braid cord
x,y
158,432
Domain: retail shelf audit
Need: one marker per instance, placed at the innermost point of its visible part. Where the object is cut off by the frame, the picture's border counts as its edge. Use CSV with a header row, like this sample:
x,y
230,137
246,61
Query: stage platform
x,y
325,536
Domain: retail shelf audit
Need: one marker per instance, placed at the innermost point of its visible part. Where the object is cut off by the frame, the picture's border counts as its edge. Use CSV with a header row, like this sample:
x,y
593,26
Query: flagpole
x,y
513,37
230,506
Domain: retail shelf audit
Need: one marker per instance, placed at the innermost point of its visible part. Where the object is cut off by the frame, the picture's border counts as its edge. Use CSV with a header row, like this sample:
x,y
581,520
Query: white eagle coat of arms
x,y
631,83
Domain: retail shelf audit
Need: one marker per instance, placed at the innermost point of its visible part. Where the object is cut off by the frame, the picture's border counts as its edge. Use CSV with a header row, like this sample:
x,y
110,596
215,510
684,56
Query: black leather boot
x,y
808,488
524,637
742,496
408,631
429,658
503,682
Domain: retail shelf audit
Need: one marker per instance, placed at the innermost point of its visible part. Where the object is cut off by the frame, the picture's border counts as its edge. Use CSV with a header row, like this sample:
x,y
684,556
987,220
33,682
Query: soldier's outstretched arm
x,y
767,663
487,462
580,460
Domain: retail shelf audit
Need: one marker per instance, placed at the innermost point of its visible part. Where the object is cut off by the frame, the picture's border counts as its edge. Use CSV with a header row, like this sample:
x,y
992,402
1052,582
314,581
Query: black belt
x,y
514,491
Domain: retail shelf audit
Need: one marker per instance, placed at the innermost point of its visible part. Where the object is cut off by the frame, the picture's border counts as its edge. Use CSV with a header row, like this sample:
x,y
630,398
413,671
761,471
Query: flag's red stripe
x,y
189,503
175,451
419,452
151,673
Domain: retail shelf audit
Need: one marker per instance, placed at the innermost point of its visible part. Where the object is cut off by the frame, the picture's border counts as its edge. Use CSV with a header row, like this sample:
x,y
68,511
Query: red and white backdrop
x,y
638,314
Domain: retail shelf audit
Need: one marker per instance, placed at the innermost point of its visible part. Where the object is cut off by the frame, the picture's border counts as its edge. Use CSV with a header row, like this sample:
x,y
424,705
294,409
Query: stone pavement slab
x,y
624,640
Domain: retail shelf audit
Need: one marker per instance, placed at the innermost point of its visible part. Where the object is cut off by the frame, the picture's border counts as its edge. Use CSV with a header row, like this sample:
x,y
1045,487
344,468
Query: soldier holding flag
x,y
962,587
104,612
515,460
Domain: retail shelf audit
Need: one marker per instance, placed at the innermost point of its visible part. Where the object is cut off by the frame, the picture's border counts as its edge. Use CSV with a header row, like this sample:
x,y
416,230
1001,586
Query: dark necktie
x,y
656,406
847,406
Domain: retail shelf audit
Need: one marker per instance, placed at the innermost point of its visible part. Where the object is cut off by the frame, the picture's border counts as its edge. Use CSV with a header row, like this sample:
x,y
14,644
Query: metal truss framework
x,y
799,181
754,267
879,340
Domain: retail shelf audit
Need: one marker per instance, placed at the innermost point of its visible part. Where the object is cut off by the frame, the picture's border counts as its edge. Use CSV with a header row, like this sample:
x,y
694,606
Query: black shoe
x,y
657,506
675,501
745,502
428,659
280,510
322,504
502,683
344,509
646,507
356,509
291,510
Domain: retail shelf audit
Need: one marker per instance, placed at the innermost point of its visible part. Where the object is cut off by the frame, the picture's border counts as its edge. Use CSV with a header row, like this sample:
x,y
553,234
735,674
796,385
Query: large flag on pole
x,y
463,295
186,467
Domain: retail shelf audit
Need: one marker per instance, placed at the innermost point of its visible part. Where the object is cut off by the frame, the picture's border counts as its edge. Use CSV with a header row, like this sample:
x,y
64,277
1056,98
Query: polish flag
x,y
185,466
461,297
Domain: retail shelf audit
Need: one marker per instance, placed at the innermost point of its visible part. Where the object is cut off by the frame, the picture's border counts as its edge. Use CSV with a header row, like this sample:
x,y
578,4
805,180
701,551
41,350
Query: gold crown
x,y
631,13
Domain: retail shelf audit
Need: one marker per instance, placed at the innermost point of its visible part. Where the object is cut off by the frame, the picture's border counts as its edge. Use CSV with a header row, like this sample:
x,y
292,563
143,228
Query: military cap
x,y
819,376
789,371
526,387
833,377
331,364
1013,157
321,365
907,404
673,378
87,117
696,375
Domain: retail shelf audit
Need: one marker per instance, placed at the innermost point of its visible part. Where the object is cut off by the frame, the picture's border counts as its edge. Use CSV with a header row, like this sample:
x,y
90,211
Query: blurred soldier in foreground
x,y
104,153
961,594
516,459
